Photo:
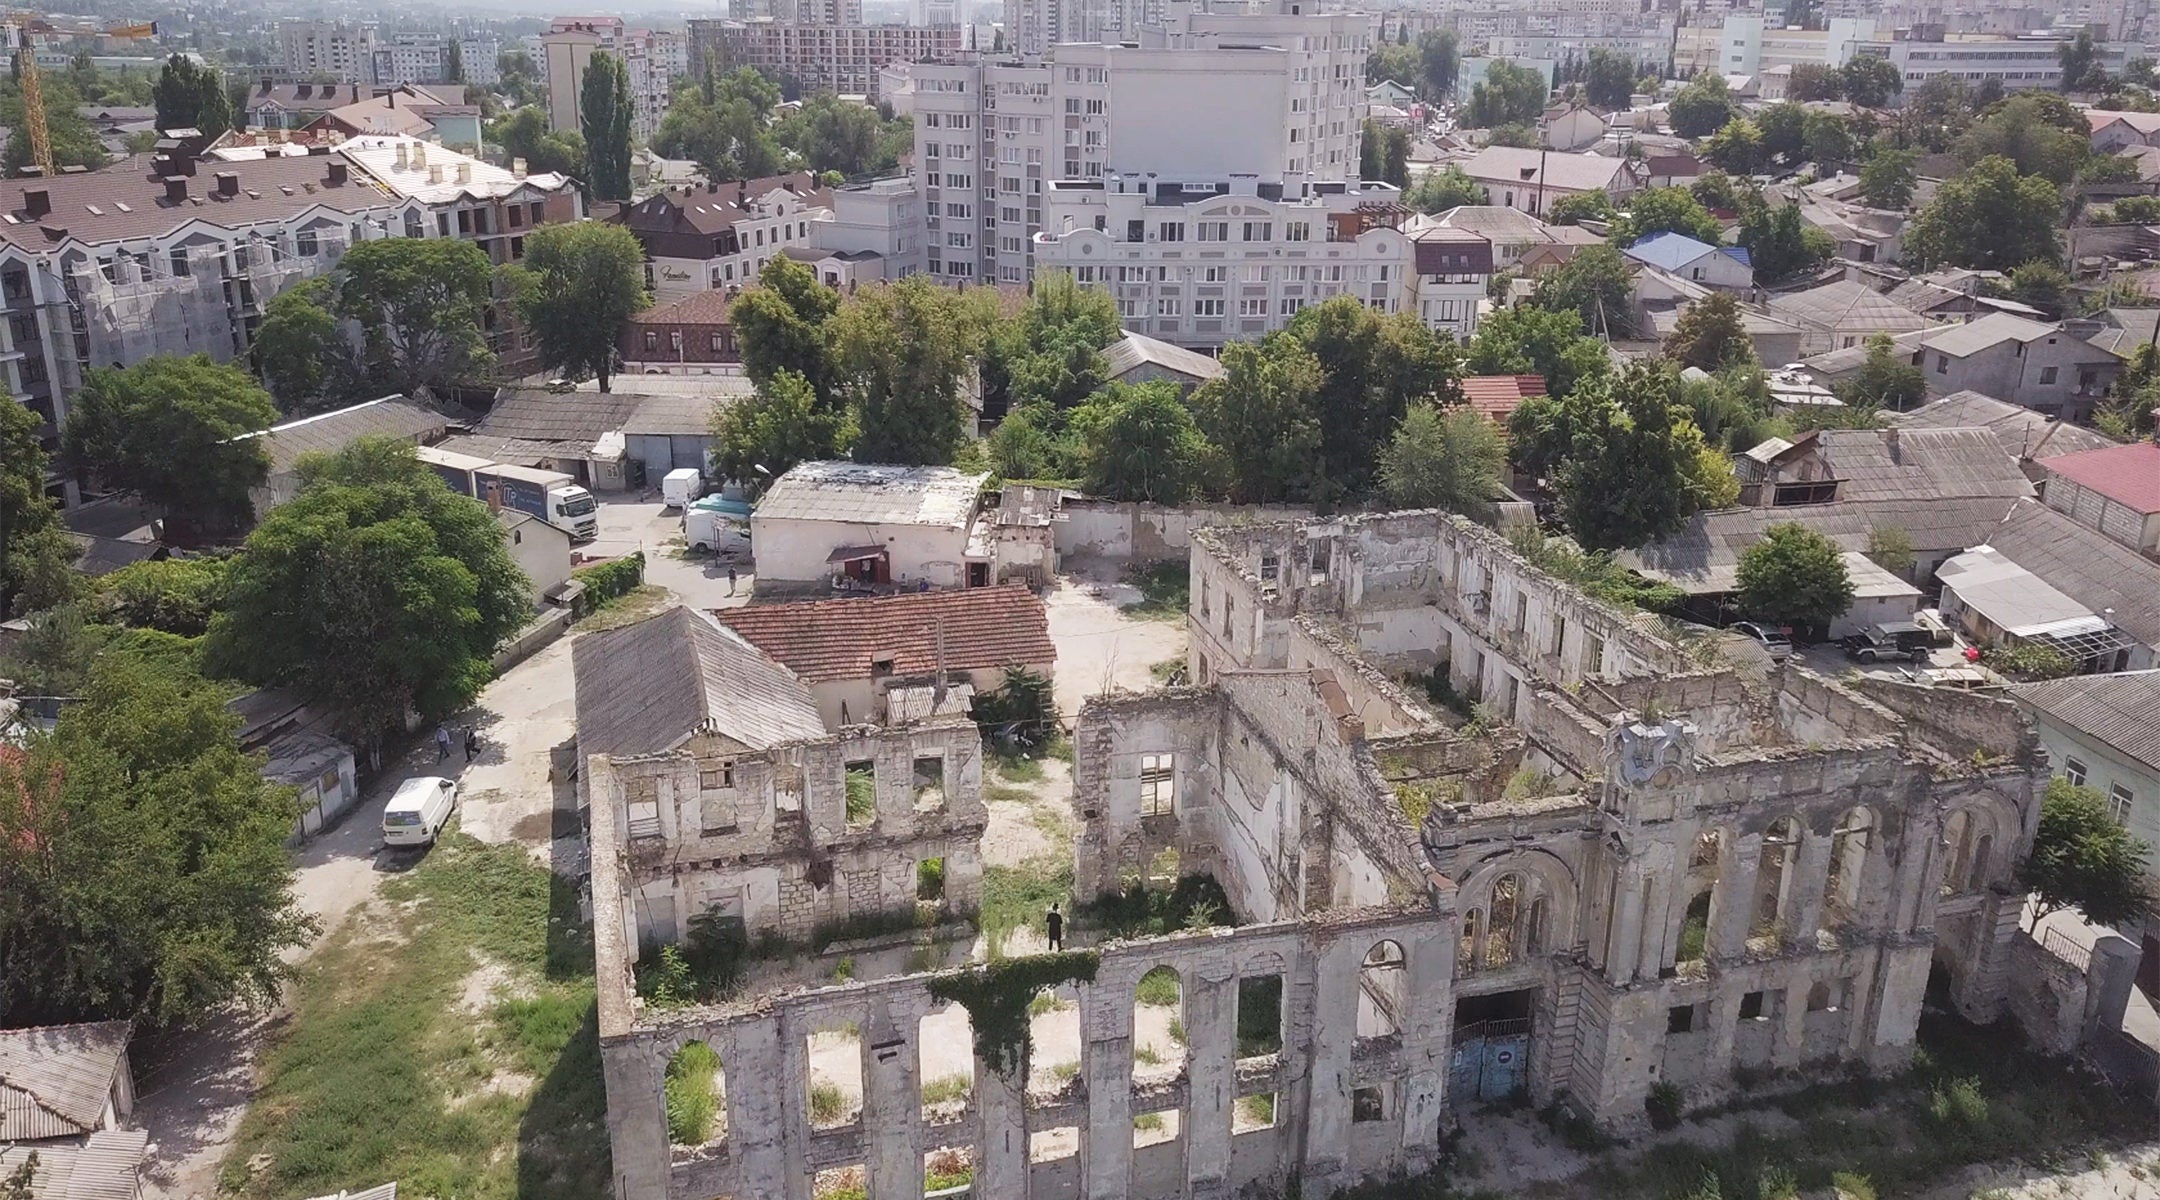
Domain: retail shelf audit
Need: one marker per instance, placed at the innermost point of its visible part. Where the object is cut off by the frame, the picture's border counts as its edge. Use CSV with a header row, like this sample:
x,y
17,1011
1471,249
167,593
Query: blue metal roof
x,y
1668,251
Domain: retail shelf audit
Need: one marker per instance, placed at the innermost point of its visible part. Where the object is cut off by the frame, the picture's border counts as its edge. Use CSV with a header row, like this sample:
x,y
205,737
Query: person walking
x,y
472,742
442,742
731,581
1054,922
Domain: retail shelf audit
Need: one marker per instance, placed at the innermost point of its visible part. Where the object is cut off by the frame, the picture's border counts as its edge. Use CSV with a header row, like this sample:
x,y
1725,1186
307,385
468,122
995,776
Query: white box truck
x,y
680,486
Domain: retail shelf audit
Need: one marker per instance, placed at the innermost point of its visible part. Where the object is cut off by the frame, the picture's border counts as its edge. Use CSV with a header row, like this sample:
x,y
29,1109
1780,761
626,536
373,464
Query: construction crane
x,y
19,27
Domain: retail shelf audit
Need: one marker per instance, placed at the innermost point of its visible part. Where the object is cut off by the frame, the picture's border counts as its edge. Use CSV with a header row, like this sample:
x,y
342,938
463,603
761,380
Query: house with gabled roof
x,y
1726,267
1842,314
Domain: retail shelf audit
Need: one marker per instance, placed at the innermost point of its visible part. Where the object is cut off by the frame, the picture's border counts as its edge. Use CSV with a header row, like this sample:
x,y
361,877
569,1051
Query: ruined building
x,y
1606,863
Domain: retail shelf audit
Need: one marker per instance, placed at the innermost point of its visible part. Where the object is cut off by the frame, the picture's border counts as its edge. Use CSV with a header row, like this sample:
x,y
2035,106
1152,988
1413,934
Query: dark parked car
x,y
1890,640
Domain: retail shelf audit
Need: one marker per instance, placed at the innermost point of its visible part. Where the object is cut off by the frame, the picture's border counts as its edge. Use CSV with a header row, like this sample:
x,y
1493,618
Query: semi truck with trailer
x,y
549,495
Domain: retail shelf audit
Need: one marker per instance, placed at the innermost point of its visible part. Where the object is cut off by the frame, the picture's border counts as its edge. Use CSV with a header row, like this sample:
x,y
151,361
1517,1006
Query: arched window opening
x,y
1503,939
1158,1037
1383,988
1849,847
1695,930
1773,878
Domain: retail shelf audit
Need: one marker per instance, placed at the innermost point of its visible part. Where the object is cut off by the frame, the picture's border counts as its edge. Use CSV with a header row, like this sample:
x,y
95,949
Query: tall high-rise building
x,y
344,50
653,60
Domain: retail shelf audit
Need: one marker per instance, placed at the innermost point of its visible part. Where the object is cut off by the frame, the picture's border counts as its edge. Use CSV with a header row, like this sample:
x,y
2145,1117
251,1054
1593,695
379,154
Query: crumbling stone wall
x,y
765,837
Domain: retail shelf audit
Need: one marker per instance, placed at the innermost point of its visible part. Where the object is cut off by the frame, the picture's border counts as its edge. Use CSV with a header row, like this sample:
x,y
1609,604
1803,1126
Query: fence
x,y
2066,948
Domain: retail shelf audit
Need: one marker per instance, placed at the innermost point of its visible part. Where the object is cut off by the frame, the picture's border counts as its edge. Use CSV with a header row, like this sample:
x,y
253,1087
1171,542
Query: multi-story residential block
x,y
478,57
411,58
342,49
824,12
1749,45
839,58
1211,261
112,267
719,236
876,232
653,60
1449,270
2014,61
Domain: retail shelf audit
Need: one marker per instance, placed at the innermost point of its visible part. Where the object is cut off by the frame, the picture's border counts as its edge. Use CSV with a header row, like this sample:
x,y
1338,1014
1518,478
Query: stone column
x,y
1001,1162
1658,927
2109,977
1790,1047
1626,954
637,1119
1331,1031
1106,1049
1735,899
766,1114
892,1095
1211,1071
1804,894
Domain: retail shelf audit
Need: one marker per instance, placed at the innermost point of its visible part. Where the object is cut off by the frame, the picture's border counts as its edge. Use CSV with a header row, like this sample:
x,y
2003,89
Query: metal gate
x,y
1492,1060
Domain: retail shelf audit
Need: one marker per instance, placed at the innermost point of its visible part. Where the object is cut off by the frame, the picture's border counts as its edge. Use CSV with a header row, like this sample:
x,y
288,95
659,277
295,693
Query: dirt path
x,y
1101,648
193,1087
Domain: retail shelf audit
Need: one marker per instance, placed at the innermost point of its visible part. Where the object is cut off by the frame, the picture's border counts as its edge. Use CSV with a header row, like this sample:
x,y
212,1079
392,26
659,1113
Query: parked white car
x,y
416,814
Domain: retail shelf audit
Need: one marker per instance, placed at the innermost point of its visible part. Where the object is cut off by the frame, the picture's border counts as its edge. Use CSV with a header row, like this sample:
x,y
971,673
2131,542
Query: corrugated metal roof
x,y
648,687
1133,349
1919,464
1844,305
873,494
2121,711
381,1191
55,1079
107,1165
536,414
2022,432
2085,564
1704,558
391,416
678,414
1992,329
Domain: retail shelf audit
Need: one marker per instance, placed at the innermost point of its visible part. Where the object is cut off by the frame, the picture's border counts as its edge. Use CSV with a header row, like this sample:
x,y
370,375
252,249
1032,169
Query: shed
x,y
61,1081
870,525
1878,596
392,417
106,1165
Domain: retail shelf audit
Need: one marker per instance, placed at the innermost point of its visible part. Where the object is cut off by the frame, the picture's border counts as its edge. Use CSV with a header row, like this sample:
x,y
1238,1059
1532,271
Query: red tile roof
x,y
2128,475
825,640
1497,396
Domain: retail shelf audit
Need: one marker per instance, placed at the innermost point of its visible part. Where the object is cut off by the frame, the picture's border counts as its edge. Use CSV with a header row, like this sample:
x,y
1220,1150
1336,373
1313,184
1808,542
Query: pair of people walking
x,y
443,742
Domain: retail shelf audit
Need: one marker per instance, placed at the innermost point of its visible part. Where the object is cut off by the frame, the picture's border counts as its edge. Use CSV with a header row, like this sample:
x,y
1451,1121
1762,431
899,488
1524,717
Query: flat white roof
x,y
874,494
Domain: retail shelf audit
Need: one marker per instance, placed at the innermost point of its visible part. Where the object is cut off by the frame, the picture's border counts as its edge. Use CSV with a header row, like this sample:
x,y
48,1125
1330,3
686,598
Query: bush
x,y
692,1108
1850,1186
1021,714
1196,902
1960,1103
178,595
610,580
826,1103
2029,661
1665,1103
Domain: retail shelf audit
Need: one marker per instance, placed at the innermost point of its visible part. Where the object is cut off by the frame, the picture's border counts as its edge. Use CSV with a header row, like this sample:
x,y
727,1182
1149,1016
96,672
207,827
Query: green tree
x,y
1438,60
1448,460
1597,285
2031,131
189,95
1395,156
902,349
1737,147
1870,80
1815,81
1989,218
37,558
1937,113
146,867
524,133
1884,380
1449,187
1702,107
1580,207
453,61
1609,79
301,351
1828,141
1372,368
1509,95
604,117
1891,549
1263,419
1392,63
174,595
1784,131
780,325
2044,286
1780,245
1887,177
758,438
418,303
1140,443
1520,134
576,287
1794,576
1034,441
1658,210
1636,467
1531,340
425,589
520,77
2080,58
74,142
1710,335
2083,858
832,134
173,431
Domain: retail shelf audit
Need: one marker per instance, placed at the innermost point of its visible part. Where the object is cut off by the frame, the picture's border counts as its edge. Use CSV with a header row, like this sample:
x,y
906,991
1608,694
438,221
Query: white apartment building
x,y
344,49
708,237
1750,45
479,56
2016,62
1277,98
1204,262
411,58
876,230
1449,269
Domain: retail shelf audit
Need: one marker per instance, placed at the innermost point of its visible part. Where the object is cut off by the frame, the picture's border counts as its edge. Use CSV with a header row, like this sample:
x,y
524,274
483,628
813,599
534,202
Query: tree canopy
x,y
1508,95
1446,188
418,303
757,439
146,866
1451,460
377,589
1262,417
1609,78
604,117
901,350
1870,80
1658,210
1596,285
1711,336
1989,218
525,133
575,288
2034,131
1780,245
2083,858
1702,107
1628,462
1373,367
1884,380
173,431
1140,443
37,558
189,95
1794,576
302,352
1887,177
1531,340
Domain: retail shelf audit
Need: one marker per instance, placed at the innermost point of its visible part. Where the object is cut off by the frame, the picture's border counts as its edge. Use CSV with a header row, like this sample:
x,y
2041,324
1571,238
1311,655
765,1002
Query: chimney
x,y
37,202
517,168
228,184
434,173
419,154
464,172
402,160
176,188
337,173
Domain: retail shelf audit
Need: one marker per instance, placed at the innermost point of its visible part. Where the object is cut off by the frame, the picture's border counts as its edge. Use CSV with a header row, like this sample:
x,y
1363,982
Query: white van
x,y
419,810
